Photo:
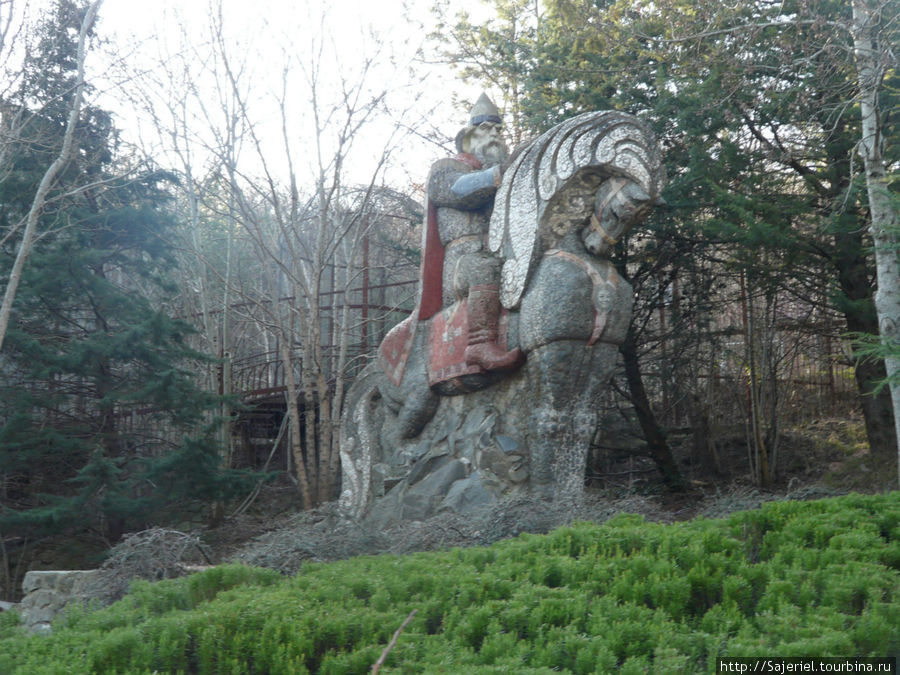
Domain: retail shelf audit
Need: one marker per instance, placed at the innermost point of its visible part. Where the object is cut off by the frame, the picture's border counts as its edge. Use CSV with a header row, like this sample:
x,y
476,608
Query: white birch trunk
x,y
294,415
49,178
870,67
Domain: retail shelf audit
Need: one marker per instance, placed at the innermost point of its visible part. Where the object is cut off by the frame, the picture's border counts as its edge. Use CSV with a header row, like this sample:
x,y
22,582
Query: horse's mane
x,y
549,187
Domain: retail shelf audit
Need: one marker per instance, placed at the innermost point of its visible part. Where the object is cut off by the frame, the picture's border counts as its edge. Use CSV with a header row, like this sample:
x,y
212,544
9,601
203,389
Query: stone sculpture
x,y
490,386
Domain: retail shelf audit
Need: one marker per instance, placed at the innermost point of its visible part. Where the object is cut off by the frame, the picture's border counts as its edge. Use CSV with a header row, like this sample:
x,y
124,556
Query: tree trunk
x,y
756,441
870,66
859,314
49,179
294,416
324,440
654,434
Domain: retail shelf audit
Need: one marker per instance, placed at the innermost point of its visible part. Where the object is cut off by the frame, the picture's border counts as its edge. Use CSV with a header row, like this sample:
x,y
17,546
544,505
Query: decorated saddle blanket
x,y
446,341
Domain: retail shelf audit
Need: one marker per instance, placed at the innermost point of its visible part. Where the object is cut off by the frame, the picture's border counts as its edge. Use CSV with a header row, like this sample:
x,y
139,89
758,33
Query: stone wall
x,y
47,593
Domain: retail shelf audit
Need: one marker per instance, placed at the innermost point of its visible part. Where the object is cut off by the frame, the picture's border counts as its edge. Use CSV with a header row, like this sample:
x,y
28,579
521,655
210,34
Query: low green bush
x,y
790,579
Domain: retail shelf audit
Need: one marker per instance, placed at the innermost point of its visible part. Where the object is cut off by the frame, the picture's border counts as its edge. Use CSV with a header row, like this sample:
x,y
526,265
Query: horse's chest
x,y
574,298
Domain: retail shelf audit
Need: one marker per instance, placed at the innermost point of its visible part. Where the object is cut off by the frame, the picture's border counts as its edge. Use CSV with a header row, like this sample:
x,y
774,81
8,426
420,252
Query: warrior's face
x,y
485,141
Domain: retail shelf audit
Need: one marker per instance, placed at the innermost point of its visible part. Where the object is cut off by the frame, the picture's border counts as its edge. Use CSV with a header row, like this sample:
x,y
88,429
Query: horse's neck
x,y
571,243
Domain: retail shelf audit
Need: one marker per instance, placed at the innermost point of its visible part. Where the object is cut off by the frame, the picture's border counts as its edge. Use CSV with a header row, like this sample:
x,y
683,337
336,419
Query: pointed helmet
x,y
483,111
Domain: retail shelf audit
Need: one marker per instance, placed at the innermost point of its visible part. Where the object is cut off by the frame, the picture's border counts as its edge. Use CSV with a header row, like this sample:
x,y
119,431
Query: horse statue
x,y
434,434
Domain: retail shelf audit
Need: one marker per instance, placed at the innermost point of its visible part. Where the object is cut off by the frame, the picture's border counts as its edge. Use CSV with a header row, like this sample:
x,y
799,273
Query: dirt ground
x,y
821,459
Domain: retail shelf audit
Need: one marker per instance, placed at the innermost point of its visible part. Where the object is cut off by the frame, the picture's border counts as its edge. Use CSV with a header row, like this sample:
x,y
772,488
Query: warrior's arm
x,y
454,185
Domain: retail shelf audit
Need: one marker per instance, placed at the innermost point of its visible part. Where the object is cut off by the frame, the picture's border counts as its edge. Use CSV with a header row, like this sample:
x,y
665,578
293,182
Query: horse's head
x,y
620,204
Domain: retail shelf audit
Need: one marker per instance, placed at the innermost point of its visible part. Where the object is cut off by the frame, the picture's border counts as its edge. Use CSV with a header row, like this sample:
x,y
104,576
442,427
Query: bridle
x,y
617,186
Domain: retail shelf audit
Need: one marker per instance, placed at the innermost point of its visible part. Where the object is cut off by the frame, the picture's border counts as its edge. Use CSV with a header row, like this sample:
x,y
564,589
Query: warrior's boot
x,y
482,347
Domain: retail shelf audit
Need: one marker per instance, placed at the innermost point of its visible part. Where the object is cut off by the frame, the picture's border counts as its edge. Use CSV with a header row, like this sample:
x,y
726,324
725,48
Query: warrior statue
x,y
491,386
461,192
455,267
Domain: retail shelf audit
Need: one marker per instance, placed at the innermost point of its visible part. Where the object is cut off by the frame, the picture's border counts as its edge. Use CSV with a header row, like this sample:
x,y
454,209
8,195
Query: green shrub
x,y
789,579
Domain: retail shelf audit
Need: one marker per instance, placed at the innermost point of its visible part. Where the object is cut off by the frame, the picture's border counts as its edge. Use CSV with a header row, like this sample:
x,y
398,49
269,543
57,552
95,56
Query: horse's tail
x,y
360,449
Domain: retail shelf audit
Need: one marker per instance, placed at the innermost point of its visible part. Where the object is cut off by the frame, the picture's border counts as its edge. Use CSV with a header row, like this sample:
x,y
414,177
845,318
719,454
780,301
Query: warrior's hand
x,y
477,185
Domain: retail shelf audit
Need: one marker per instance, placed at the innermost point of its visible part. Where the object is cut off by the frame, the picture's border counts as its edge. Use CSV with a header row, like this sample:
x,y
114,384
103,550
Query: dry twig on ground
x,y
392,643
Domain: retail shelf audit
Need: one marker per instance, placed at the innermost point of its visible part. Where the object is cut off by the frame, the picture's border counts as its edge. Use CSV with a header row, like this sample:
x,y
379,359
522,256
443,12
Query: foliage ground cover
x,y
819,578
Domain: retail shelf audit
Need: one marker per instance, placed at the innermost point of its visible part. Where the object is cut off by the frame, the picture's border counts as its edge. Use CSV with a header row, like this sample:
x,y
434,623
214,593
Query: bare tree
x,y
316,243
13,24
292,199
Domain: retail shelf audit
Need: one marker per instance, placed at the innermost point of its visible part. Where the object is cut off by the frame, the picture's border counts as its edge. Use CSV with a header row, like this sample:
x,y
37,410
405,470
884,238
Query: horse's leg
x,y
378,417
565,377
417,409
411,403
573,315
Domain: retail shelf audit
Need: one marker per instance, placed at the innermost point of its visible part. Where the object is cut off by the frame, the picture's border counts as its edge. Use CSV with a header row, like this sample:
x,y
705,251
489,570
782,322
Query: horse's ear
x,y
637,193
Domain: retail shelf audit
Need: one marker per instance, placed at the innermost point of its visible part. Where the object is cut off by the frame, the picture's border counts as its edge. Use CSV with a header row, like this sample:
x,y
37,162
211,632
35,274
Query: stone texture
x,y
422,498
48,593
467,496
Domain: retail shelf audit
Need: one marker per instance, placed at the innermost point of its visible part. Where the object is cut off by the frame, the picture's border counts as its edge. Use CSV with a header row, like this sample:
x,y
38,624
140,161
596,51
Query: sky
x,y
266,34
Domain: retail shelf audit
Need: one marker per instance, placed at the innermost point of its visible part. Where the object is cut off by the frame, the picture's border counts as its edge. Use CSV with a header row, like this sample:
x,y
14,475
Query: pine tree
x,y
101,422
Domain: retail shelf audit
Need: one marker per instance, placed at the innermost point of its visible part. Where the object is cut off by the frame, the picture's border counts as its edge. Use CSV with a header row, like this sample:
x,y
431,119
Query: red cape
x,y
395,349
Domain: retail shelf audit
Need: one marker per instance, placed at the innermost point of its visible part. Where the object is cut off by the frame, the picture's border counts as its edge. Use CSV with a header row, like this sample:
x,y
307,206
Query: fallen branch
x,y
387,650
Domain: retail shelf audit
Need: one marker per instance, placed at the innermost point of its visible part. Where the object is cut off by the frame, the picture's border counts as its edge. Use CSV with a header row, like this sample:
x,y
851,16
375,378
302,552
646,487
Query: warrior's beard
x,y
491,154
